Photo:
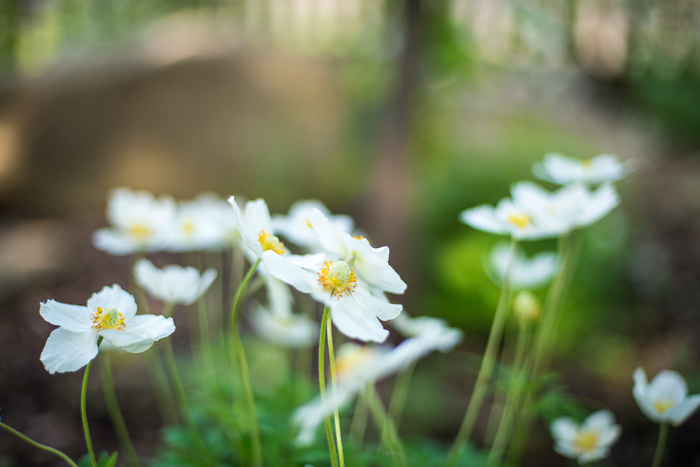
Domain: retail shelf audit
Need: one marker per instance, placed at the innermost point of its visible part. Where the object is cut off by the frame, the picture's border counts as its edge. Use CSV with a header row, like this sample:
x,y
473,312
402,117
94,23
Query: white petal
x,y
640,395
380,308
594,455
564,429
116,242
68,351
329,236
566,450
599,421
354,322
141,332
376,271
73,318
667,386
682,411
113,297
206,281
286,271
250,237
610,435
483,218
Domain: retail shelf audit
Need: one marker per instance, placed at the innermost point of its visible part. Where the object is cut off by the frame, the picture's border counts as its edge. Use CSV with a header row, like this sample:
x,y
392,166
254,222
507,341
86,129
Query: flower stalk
x,y
487,364
389,435
83,409
44,447
663,433
322,380
334,385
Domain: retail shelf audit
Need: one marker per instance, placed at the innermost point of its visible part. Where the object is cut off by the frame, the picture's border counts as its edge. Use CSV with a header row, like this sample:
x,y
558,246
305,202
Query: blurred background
x,y
400,113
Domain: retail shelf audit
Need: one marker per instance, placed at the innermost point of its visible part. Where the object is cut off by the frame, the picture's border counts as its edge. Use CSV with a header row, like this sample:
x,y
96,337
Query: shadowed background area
x,y
399,113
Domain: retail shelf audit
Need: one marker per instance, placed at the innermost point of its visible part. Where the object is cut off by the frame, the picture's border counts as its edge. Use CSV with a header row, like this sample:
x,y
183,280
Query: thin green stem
x,y
243,367
39,445
334,385
322,381
663,433
487,363
399,394
161,387
359,419
83,409
384,424
510,409
115,413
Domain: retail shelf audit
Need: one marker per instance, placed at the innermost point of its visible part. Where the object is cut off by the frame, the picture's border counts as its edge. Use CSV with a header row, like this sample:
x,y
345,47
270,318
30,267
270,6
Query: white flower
x,y
289,331
358,366
140,222
563,170
197,225
427,325
571,207
666,399
173,283
370,264
590,441
296,225
525,273
218,211
110,313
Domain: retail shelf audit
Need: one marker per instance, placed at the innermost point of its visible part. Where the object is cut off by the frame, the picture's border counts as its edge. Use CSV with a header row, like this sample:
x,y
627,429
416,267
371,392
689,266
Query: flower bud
x,y
527,307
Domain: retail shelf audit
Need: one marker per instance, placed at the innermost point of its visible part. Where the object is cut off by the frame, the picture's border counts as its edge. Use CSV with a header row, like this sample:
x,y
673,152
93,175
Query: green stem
x,y
39,445
512,397
399,394
334,385
161,387
487,364
115,413
322,380
83,408
384,424
359,420
204,333
663,433
243,367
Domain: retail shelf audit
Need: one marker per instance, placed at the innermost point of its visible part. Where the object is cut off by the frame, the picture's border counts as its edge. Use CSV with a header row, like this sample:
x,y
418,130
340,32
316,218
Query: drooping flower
x,y
665,399
524,272
370,264
140,222
588,442
561,169
358,366
110,313
174,283
296,225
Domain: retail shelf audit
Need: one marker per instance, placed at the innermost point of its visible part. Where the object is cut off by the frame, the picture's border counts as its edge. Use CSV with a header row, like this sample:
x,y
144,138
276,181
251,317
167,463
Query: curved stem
x,y
334,383
39,445
322,381
487,363
83,409
115,413
663,432
243,367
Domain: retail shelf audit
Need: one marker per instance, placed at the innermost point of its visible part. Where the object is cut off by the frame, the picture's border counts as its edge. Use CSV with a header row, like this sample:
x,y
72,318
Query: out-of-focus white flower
x,y
370,264
173,283
571,207
561,169
427,325
525,273
196,226
666,399
588,442
296,225
110,313
290,331
140,222
358,366
219,211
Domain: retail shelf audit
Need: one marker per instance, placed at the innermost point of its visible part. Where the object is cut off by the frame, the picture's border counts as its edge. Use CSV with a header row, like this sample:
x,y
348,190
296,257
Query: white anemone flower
x,y
195,228
571,207
357,366
563,170
296,225
218,211
588,442
140,222
370,264
174,283
666,399
412,327
525,273
110,313
292,330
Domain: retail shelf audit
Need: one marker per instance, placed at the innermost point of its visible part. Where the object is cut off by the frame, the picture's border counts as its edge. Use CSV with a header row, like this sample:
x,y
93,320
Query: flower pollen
x,y
519,220
662,406
586,441
140,231
108,319
271,242
337,279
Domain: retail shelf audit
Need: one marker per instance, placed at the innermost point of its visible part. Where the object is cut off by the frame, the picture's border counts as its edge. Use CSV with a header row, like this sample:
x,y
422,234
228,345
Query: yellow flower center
x,y
519,220
270,242
108,319
188,227
663,406
337,279
586,441
586,164
352,358
140,231
526,307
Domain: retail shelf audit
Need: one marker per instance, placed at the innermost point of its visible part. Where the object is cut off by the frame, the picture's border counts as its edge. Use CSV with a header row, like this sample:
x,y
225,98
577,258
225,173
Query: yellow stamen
x,y
140,231
586,441
663,406
270,242
188,227
586,163
108,319
337,279
358,237
520,220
